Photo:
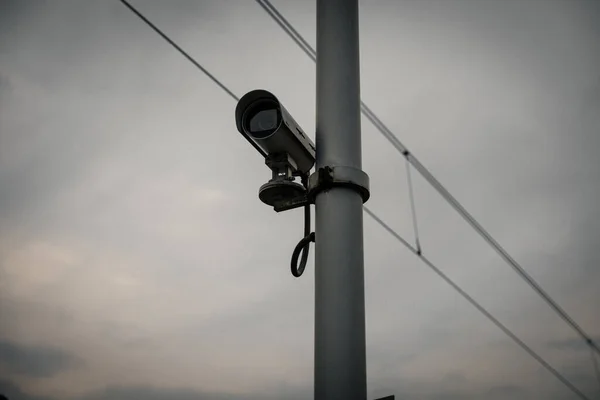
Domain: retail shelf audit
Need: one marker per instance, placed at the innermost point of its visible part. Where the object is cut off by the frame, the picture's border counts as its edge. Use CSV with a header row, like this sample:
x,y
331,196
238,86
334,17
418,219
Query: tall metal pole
x,y
340,359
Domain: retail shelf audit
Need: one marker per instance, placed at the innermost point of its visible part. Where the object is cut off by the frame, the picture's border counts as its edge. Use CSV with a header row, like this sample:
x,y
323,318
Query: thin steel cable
x,y
286,26
472,301
179,49
190,59
504,254
458,207
479,307
413,207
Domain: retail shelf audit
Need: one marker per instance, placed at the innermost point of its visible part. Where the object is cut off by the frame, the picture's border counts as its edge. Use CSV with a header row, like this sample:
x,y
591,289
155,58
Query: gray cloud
x,y
5,85
434,392
13,392
150,393
505,392
130,232
34,361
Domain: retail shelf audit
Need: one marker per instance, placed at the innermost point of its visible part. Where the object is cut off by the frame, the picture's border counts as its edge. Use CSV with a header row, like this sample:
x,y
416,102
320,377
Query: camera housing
x,y
268,126
262,118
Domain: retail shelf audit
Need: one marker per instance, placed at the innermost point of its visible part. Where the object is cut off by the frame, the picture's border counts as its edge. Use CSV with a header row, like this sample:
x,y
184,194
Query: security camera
x,y
288,152
268,126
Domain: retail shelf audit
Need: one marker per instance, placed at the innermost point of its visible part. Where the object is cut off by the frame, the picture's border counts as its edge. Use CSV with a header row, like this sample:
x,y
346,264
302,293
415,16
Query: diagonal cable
x,y
455,286
428,176
179,49
286,26
192,60
413,207
479,307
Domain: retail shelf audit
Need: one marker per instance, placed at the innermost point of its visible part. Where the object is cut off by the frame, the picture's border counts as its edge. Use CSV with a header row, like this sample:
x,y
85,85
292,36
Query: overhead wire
x,y
179,49
190,59
288,28
478,306
428,176
413,207
414,250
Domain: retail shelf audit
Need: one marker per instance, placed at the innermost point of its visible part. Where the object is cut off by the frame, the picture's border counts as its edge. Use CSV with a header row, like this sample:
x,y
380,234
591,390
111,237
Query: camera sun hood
x,y
247,100
286,136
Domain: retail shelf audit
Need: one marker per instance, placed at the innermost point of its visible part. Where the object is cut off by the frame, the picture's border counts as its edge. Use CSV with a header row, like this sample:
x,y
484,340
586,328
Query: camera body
x,y
262,119
289,153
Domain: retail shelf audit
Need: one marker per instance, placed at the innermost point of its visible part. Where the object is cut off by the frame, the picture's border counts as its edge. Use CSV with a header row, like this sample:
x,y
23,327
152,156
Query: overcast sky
x,y
136,260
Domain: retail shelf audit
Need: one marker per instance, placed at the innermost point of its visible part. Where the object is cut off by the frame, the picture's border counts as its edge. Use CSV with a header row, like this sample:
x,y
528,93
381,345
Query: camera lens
x,y
262,119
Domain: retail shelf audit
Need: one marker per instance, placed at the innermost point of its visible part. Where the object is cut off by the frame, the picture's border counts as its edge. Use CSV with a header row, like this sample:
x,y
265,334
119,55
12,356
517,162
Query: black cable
x,y
504,254
413,207
304,244
193,61
479,307
179,49
286,26
394,141
311,237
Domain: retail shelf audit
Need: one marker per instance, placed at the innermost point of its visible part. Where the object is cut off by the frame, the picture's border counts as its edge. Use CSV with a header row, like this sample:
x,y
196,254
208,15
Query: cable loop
x,y
304,247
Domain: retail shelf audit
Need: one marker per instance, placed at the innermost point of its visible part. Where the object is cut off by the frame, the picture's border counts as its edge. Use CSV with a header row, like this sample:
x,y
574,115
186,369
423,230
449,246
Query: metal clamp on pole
x,y
328,177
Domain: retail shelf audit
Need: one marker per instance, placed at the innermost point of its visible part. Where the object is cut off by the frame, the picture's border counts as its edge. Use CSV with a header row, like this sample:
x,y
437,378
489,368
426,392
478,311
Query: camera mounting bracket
x,y
281,188
324,179
327,177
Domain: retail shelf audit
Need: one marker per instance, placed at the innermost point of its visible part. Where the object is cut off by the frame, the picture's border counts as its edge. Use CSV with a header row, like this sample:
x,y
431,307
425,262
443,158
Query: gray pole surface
x,y
340,354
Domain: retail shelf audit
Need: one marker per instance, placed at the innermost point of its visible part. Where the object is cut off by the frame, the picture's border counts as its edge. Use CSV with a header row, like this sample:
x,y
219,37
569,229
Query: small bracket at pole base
x,y
392,397
326,178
